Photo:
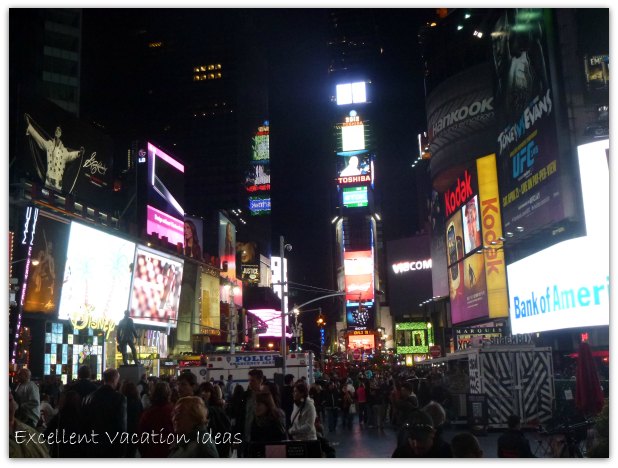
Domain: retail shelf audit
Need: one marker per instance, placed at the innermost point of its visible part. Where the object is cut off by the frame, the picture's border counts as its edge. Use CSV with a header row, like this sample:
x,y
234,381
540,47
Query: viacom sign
x,y
567,284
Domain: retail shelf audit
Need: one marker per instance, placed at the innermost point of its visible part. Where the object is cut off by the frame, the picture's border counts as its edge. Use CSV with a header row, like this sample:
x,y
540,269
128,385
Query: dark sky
x,y
303,163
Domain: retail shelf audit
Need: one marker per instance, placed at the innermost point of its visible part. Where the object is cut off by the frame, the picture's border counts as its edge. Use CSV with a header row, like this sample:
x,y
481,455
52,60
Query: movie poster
x,y
49,253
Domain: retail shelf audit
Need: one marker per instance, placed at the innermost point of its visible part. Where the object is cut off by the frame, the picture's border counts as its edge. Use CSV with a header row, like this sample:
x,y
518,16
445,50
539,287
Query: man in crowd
x,y
27,396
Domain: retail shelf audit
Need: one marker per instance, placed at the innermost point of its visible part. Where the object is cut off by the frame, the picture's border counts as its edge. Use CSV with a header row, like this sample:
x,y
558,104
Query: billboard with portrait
x,y
49,252
194,238
165,196
227,246
157,280
63,153
529,164
471,225
97,276
354,163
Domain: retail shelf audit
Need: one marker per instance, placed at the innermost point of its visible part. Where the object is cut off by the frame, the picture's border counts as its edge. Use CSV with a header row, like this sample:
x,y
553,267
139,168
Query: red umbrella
x,y
589,397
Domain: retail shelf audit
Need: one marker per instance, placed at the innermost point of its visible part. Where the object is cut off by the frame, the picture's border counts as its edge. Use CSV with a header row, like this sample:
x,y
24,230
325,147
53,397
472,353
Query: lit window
x,y
153,45
211,76
196,69
211,67
218,66
218,74
202,68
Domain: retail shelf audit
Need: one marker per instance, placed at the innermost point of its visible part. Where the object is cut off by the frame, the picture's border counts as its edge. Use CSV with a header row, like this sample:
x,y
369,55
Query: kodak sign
x,y
453,199
495,271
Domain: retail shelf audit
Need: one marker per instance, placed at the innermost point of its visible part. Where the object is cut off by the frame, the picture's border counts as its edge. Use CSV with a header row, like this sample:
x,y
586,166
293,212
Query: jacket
x,y
303,421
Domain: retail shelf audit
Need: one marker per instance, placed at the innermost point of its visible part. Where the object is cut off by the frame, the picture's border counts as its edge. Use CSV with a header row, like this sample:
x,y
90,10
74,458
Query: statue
x,y
125,332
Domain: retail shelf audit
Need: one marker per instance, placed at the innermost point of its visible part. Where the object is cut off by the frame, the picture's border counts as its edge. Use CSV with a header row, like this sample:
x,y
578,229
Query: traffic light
x,y
321,321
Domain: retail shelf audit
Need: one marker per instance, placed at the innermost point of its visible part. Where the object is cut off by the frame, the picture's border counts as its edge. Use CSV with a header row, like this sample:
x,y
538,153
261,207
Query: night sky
x,y
303,163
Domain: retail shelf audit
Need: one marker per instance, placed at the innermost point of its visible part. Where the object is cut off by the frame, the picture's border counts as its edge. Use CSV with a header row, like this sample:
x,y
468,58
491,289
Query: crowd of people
x,y
177,418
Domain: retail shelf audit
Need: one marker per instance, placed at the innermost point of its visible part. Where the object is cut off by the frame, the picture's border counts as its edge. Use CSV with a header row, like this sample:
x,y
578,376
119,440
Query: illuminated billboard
x,y
477,282
194,239
227,246
272,319
209,306
352,133
97,276
358,270
164,211
260,146
259,205
355,197
157,280
257,178
49,250
364,342
360,318
351,93
567,284
532,177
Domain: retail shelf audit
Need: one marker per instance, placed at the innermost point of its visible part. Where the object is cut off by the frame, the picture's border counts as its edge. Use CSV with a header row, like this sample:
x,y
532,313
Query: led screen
x,y
272,319
567,284
227,246
362,318
97,275
156,288
355,197
471,225
358,267
165,212
353,137
351,93
363,342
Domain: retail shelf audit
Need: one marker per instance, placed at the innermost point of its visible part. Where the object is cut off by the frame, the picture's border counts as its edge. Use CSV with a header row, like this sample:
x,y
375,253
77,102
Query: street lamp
x,y
282,248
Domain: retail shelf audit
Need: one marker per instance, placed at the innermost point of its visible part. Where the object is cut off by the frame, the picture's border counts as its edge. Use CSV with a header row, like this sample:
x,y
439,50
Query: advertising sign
x,y
351,93
209,313
362,318
354,169
409,274
352,133
439,272
97,276
355,197
165,213
261,144
227,246
63,153
466,335
259,205
528,161
358,270
157,280
567,284
49,252
247,255
257,178
362,343
193,238
272,319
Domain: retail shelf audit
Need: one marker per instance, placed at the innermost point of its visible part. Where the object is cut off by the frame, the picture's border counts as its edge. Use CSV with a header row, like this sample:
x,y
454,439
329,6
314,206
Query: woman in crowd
x,y
267,425
303,415
157,418
190,420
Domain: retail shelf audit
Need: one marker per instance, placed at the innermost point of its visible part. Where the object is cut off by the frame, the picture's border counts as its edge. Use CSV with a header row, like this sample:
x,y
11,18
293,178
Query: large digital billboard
x,y
194,238
272,319
529,163
352,133
358,270
49,252
165,212
354,197
97,277
63,153
360,318
351,93
157,280
567,284
227,246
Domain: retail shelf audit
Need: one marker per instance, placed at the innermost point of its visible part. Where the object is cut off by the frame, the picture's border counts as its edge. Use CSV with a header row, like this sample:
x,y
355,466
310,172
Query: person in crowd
x,y
406,405
416,438
287,398
142,385
187,384
83,385
273,388
20,444
361,401
66,419
267,425
229,388
28,398
218,421
466,445
145,397
347,403
158,418
303,416
105,410
134,412
190,420
235,410
440,448
332,404
256,378
513,443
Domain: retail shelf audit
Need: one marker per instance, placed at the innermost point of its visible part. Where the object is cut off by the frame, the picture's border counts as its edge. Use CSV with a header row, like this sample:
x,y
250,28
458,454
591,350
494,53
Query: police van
x,y
238,366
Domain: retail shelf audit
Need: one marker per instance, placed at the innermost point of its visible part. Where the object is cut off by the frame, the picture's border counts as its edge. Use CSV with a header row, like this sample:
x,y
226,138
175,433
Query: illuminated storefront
x,y
412,341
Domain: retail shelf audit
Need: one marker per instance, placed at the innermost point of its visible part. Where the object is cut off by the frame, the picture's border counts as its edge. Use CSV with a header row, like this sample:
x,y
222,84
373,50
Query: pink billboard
x,y
272,318
358,267
165,225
